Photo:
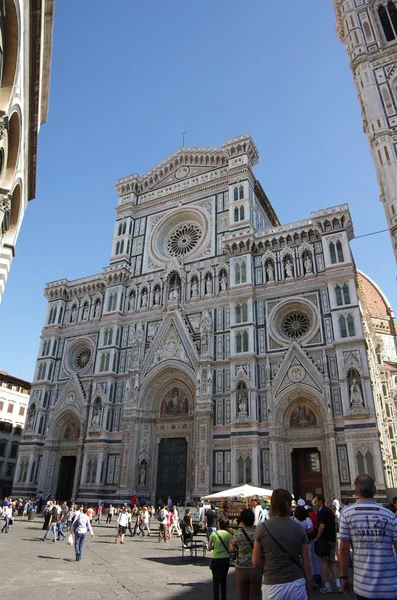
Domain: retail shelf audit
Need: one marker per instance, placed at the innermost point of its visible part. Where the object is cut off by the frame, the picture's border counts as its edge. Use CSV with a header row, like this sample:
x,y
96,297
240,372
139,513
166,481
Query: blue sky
x,y
127,82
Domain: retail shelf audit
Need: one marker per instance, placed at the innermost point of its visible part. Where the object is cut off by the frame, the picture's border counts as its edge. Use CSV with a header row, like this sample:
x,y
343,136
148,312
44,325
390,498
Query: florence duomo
x,y
218,347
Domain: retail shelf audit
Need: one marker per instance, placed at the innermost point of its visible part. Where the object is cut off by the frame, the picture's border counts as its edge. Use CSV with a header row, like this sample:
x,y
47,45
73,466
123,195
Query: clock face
x,y
182,172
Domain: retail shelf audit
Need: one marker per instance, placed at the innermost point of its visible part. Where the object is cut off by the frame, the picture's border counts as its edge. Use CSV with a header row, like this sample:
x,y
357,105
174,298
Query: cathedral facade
x,y
218,347
368,29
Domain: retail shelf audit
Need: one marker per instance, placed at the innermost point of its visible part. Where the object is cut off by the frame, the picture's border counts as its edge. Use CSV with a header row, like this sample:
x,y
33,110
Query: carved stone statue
x,y
174,294
131,301
208,286
289,270
356,397
157,297
97,309
242,404
142,473
270,271
308,264
73,315
30,419
223,283
144,299
194,289
96,417
85,311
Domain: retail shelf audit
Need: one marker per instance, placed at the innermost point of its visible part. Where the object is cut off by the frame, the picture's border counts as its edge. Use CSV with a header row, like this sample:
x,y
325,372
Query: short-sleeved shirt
x,y
278,568
326,516
218,549
372,531
211,517
244,546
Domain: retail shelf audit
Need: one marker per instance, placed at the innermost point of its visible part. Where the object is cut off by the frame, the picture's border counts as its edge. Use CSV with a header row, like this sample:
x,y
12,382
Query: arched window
x,y
120,229
23,469
342,326
384,390
238,342
243,272
346,294
236,214
360,463
391,7
238,313
241,192
89,471
350,325
60,315
50,316
365,463
122,247
118,248
110,338
339,251
41,425
114,301
332,253
391,432
338,295
102,365
386,24
244,469
242,213
394,451
50,371
107,359
245,341
235,193
370,464
244,312
238,273
54,317
124,227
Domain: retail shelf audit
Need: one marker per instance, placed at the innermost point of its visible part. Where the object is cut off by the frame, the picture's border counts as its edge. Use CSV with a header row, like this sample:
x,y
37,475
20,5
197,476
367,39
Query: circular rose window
x,y
183,239
82,358
295,325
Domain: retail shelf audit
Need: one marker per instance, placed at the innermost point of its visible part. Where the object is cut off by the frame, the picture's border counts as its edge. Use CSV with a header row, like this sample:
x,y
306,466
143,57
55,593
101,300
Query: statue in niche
x,y
96,416
74,314
157,296
302,416
174,294
308,264
31,416
142,473
175,403
208,286
270,271
356,396
85,311
144,299
289,269
131,301
223,282
242,403
97,309
194,289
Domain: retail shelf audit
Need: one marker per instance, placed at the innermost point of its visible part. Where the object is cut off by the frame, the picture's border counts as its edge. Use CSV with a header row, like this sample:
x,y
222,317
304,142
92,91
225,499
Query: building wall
x,y
14,399
369,31
25,44
213,324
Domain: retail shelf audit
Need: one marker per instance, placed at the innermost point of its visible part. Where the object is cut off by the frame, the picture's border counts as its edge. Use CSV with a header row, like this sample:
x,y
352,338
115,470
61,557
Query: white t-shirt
x,y
372,530
259,514
122,519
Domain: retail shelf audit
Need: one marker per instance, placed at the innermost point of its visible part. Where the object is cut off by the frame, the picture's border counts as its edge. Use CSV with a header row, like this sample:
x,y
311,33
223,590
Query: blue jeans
x,y
61,535
6,524
79,539
54,528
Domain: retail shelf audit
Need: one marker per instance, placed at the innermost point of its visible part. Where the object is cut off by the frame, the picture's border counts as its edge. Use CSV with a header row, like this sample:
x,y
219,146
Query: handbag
x,y
69,541
296,561
321,547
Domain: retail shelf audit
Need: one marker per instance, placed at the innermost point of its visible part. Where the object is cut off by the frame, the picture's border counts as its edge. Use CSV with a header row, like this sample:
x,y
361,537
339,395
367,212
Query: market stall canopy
x,y
242,491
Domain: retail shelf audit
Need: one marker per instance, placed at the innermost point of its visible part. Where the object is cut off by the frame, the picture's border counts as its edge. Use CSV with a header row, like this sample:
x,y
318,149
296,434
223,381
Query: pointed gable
x,y
297,368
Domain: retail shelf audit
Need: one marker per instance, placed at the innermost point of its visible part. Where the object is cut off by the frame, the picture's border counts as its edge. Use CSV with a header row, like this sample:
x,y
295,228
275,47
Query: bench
x,y
192,546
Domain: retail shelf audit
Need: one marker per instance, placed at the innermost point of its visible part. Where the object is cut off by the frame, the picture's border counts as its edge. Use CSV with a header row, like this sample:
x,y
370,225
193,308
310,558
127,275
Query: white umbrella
x,y
242,491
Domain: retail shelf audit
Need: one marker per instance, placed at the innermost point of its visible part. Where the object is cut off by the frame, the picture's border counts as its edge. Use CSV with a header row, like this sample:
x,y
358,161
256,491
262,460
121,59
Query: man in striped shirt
x,y
371,529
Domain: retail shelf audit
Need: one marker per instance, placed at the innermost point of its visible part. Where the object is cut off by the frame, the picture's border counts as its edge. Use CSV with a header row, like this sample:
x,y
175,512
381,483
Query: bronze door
x,y
306,473
67,469
171,473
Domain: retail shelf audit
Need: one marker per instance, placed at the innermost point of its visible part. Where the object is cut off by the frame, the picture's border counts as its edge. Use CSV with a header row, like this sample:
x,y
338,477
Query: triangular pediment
x,y
183,174
171,342
296,369
72,398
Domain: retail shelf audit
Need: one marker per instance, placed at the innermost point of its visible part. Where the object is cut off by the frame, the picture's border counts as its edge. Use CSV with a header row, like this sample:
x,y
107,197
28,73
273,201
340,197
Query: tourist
x,y
70,516
219,545
7,514
248,577
281,548
210,520
169,519
99,512
52,524
169,503
175,523
325,544
90,513
122,522
138,529
162,516
62,516
145,520
187,528
257,510
110,514
80,526
372,531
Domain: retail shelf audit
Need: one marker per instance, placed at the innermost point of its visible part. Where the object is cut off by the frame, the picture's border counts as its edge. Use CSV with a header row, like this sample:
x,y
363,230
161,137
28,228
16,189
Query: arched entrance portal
x,y
171,470
67,457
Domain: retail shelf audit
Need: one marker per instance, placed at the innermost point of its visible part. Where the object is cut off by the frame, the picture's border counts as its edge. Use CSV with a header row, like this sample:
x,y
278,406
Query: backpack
x,y
161,516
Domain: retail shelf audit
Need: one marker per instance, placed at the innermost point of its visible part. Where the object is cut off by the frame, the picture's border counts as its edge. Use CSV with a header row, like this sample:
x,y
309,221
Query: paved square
x,y
142,568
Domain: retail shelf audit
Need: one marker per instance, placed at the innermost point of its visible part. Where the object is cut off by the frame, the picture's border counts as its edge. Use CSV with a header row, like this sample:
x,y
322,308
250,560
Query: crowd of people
x,y
280,553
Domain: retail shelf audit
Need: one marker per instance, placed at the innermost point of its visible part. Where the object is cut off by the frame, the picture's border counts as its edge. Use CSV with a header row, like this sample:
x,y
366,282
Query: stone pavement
x,y
141,569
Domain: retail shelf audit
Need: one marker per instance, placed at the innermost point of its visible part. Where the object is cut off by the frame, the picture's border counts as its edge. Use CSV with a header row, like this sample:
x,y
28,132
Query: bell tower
x,y
368,29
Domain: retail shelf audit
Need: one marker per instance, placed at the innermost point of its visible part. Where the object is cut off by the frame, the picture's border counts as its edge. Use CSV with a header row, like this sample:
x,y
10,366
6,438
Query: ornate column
x,y
203,444
5,213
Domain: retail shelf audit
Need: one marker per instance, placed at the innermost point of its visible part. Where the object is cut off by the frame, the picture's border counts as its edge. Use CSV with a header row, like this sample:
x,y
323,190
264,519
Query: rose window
x,y
295,325
183,239
82,358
